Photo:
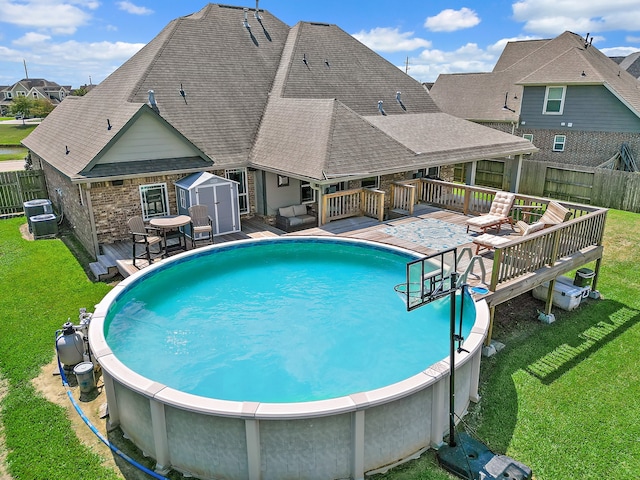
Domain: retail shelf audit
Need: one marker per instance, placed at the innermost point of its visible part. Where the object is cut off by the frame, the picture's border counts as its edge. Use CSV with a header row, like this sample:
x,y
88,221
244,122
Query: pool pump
x,y
72,342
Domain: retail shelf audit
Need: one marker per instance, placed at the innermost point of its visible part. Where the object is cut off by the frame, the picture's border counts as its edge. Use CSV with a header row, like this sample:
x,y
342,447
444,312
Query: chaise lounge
x,y
499,213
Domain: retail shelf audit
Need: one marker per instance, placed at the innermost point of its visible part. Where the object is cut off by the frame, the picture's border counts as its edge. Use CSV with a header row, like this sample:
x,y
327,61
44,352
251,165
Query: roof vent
x,y
399,100
245,22
152,101
380,107
257,14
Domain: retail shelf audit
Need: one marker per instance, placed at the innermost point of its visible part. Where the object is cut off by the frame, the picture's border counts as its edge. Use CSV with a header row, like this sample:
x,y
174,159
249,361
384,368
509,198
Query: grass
x,y
562,398
13,134
42,285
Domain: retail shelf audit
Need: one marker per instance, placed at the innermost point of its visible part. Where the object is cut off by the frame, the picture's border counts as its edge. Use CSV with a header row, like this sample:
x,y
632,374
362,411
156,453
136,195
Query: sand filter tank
x,y
70,345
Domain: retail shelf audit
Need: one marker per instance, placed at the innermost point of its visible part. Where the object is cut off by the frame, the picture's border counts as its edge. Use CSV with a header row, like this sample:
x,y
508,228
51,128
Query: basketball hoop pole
x,y
452,358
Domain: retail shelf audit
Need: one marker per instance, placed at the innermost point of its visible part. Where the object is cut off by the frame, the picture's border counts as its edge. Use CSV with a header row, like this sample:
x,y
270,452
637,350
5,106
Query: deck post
x,y
492,314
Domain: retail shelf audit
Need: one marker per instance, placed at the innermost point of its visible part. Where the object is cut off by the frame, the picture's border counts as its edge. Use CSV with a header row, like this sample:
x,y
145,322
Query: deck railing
x,y
544,248
523,255
352,203
403,197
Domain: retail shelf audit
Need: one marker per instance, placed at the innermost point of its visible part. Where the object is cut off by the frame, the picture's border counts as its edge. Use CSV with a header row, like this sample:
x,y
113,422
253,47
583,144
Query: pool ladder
x,y
473,260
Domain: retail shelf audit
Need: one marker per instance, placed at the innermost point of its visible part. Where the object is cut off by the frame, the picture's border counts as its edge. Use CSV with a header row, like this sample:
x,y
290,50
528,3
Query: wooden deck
x,y
371,229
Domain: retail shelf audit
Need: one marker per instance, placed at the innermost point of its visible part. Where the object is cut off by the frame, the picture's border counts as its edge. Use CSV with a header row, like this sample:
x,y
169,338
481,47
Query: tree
x,y
21,105
41,107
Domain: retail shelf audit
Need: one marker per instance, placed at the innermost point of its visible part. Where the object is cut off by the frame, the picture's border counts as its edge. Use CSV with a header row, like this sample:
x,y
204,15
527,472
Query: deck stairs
x,y
105,268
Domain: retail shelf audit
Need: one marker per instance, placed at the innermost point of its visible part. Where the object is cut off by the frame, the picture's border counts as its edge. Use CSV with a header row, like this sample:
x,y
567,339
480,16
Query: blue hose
x,y
104,440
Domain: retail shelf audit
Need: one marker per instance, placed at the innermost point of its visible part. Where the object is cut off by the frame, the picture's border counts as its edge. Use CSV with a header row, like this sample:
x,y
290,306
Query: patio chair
x,y
201,224
145,236
554,214
499,213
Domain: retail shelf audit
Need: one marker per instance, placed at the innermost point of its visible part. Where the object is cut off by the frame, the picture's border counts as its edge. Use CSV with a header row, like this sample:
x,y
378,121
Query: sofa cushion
x,y
299,210
307,218
295,221
286,211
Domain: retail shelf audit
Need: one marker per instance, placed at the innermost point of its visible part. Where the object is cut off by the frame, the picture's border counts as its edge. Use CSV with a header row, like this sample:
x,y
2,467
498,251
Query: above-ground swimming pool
x,y
281,358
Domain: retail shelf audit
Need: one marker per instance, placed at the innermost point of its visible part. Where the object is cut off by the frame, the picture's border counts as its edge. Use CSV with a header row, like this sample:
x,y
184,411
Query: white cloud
x,y
31,39
552,17
390,40
57,16
69,62
469,58
134,9
450,20
618,51
632,39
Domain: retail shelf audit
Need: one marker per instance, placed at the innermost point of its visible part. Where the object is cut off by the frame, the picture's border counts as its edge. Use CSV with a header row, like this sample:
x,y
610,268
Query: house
x,y
290,113
574,103
630,63
36,88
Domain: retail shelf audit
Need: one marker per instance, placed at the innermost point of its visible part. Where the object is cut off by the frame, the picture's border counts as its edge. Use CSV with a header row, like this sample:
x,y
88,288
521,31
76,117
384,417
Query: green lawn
x,y
562,398
13,134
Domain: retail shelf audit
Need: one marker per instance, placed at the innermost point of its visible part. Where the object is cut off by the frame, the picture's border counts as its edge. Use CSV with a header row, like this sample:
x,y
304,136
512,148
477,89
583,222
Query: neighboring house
x,y
36,88
630,63
572,101
290,113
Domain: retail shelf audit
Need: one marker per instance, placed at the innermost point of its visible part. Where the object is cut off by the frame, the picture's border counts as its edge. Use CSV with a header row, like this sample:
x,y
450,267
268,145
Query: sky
x,y
77,42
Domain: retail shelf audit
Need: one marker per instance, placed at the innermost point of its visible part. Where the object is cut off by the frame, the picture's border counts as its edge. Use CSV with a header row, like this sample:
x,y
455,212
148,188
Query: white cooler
x,y
566,295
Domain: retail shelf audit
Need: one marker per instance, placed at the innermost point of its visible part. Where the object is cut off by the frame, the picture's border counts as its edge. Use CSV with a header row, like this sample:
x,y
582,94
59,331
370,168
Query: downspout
x,y
263,174
92,223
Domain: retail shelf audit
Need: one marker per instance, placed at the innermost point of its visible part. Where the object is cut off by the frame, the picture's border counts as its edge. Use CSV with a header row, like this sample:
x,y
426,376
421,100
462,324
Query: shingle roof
x,y
250,99
560,60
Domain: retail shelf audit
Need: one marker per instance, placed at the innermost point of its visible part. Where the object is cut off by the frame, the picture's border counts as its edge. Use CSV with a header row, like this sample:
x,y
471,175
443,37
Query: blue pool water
x,y
278,321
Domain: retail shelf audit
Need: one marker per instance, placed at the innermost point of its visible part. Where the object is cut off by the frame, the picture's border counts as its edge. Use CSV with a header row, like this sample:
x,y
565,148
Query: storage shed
x,y
220,195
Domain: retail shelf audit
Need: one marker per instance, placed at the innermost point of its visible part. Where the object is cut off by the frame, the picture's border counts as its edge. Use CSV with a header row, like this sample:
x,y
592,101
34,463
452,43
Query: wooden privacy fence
x,y
19,187
596,186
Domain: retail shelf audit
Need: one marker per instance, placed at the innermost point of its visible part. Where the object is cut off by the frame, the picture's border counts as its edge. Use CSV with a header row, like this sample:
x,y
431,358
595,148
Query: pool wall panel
x,y
307,448
206,446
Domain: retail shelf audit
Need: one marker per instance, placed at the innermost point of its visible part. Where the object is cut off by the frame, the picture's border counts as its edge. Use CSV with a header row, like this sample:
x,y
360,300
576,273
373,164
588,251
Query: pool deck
x,y
355,227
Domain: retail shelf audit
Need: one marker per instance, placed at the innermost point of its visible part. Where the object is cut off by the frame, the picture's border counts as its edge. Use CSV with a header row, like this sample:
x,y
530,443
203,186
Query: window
x,y
240,175
371,182
528,136
35,94
21,93
431,172
558,143
554,100
154,200
8,94
307,194
335,187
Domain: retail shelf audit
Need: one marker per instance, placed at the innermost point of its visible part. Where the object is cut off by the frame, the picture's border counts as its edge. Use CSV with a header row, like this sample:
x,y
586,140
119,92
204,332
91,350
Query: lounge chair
x,y
201,224
145,236
499,213
554,214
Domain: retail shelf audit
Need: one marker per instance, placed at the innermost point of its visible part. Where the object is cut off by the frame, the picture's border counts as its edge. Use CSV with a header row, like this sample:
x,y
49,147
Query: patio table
x,y
170,226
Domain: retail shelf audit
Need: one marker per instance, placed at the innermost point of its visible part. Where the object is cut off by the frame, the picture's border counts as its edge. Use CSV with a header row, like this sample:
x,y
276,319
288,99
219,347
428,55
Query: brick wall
x,y
67,200
588,149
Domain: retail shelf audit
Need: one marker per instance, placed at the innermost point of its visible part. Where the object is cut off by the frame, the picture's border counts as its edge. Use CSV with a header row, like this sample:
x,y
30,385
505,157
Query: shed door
x,y
226,215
